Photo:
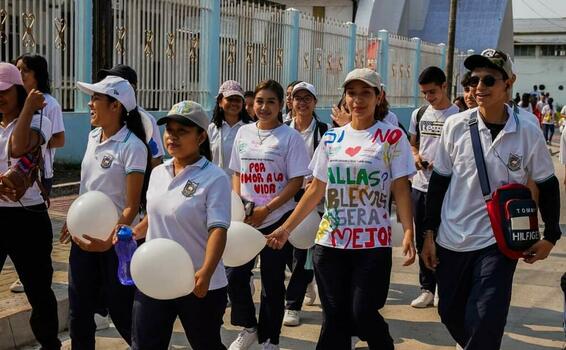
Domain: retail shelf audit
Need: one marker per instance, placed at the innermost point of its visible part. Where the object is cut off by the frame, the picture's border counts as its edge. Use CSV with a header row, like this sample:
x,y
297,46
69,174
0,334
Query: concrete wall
x,y
550,71
77,127
341,10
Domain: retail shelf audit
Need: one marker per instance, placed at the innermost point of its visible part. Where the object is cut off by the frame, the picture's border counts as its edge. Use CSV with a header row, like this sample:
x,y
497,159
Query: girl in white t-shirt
x,y
269,160
356,167
188,201
115,163
27,236
228,116
35,75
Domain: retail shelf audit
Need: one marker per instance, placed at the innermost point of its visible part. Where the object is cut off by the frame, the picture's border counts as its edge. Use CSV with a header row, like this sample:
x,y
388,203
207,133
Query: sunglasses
x,y
488,80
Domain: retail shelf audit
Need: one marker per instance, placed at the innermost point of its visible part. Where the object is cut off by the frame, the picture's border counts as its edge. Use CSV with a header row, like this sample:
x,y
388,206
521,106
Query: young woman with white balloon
x,y
356,167
188,201
115,163
26,230
269,160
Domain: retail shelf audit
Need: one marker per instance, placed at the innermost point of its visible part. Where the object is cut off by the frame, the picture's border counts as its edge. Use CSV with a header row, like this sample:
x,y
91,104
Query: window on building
x,y
525,50
318,12
553,50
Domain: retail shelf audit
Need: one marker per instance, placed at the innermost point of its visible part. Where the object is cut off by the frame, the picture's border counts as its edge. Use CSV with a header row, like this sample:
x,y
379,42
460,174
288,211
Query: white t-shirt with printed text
x,y
266,161
430,125
358,167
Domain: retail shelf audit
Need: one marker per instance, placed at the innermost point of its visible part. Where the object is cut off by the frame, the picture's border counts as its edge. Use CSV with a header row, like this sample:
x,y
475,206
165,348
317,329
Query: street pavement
x,y
534,322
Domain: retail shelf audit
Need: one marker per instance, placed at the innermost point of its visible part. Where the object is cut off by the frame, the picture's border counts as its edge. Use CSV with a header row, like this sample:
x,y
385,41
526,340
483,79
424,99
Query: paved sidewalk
x,y
534,322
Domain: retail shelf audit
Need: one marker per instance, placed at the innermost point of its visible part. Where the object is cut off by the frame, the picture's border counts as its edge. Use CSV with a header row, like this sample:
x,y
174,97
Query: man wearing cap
x,y
474,277
153,135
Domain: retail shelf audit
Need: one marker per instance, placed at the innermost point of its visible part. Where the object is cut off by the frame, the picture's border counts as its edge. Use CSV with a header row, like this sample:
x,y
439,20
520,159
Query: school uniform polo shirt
x,y
155,143
33,194
106,164
221,142
185,207
517,153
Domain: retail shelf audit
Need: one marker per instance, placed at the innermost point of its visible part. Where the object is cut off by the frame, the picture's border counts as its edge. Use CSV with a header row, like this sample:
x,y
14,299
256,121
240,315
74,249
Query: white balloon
x,y
397,233
162,269
238,211
304,234
243,243
94,214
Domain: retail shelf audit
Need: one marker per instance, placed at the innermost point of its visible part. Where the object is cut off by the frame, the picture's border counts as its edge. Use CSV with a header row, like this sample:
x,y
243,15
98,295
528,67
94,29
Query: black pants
x,y
548,131
475,293
300,279
27,238
201,318
272,307
426,276
94,285
47,184
353,286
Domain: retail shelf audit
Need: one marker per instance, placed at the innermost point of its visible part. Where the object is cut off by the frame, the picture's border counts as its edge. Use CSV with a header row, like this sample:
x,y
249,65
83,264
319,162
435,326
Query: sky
x,y
539,8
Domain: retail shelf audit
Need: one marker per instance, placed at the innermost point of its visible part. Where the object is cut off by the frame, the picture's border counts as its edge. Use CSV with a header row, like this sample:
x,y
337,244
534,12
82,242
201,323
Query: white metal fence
x,y
254,43
401,72
44,27
161,40
170,44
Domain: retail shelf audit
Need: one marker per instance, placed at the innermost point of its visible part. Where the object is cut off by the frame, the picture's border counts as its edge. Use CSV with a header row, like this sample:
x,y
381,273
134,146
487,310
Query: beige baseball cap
x,y
185,112
366,75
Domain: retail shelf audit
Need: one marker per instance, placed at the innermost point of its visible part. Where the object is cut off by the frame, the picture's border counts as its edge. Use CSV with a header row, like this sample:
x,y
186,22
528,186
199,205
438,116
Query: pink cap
x,y
9,75
231,88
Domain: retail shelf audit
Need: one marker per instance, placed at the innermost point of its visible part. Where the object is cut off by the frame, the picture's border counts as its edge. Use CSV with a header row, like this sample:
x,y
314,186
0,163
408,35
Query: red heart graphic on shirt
x,y
352,151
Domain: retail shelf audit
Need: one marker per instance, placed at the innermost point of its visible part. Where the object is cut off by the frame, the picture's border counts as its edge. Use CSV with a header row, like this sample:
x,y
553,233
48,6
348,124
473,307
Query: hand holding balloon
x,y
278,238
202,282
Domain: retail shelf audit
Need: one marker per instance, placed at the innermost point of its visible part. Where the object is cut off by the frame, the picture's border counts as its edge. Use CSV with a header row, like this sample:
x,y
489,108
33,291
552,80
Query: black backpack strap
x,y
420,114
319,130
478,156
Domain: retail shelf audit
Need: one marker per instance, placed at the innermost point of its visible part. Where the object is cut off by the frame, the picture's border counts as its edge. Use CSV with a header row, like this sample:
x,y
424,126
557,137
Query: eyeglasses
x,y
488,80
306,99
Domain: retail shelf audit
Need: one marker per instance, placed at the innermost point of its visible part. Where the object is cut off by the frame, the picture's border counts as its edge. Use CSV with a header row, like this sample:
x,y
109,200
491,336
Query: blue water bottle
x,y
125,249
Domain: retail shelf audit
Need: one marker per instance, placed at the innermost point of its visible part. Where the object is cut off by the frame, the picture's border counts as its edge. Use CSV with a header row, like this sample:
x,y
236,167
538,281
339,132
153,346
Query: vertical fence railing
x,y
323,56
185,49
254,42
43,27
162,41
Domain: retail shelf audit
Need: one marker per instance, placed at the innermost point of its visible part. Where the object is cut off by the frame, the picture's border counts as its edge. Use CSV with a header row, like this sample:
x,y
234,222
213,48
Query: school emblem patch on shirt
x,y
514,162
190,188
107,160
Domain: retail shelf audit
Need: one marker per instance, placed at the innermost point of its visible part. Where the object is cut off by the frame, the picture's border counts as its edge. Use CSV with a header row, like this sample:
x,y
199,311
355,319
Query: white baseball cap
x,y
304,86
366,75
113,86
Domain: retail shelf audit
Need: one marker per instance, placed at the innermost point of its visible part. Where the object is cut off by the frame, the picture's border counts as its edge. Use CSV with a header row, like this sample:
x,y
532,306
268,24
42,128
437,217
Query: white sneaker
x,y
292,318
425,299
268,346
252,285
436,297
17,287
245,339
310,294
354,340
102,322
458,347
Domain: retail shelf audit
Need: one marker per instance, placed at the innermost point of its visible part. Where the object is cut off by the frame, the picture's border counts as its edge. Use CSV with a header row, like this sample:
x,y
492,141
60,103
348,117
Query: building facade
x,y
540,56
